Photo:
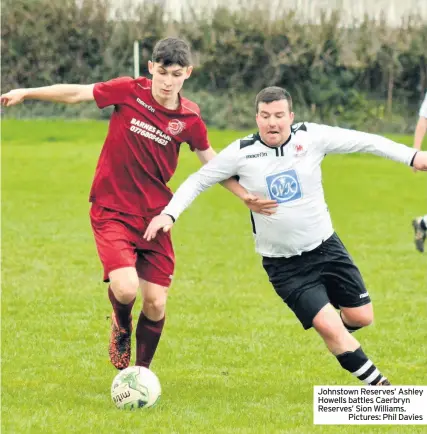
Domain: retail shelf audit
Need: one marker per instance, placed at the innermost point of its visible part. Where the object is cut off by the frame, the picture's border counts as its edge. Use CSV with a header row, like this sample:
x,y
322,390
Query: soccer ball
x,y
135,387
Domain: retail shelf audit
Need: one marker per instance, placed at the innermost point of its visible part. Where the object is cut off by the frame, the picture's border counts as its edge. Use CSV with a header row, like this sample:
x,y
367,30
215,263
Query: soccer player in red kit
x,y
149,123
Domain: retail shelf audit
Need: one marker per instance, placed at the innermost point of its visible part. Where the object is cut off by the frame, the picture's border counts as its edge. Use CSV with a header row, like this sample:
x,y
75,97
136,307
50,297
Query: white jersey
x,y
423,109
289,174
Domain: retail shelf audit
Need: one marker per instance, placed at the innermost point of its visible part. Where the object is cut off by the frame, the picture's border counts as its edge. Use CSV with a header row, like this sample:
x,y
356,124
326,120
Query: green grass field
x,y
233,359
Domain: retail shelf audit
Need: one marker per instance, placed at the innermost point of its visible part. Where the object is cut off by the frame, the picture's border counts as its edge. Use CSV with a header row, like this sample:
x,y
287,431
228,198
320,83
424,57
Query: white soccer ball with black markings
x,y
135,387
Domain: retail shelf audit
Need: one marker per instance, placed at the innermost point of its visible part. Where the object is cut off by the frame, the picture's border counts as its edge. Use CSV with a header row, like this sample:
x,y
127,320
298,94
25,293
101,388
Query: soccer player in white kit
x,y
307,264
420,223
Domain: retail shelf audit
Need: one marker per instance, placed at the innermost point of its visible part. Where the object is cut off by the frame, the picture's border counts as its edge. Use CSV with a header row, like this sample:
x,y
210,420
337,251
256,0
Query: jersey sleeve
x,y
423,108
198,136
221,167
335,140
111,92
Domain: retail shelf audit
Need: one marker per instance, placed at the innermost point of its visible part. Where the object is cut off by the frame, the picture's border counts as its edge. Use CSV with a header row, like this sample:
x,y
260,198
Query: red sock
x,y
147,338
121,311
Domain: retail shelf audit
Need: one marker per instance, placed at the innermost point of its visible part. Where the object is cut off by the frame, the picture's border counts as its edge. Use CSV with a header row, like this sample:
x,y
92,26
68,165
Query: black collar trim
x,y
278,149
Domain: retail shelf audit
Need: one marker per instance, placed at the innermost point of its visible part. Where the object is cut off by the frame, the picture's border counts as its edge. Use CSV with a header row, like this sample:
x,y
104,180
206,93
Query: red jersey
x,y
140,152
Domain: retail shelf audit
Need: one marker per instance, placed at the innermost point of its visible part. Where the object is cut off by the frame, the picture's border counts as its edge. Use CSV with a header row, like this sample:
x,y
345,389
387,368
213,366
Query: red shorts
x,y
118,238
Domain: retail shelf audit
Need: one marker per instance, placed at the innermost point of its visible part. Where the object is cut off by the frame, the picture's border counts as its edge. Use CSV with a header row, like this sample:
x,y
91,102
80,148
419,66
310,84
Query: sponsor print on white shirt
x,y
284,186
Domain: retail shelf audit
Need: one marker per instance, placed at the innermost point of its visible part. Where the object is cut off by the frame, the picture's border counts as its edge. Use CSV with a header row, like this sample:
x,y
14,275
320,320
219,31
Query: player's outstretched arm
x,y
335,140
65,93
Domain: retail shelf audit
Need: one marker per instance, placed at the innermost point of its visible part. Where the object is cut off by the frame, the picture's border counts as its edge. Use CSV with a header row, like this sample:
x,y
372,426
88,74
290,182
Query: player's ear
x,y
189,71
150,67
292,116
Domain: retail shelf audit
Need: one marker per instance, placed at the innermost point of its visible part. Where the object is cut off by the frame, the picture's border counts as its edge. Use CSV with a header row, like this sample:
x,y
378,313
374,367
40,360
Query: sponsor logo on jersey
x,y
260,154
144,104
150,131
284,186
364,295
175,127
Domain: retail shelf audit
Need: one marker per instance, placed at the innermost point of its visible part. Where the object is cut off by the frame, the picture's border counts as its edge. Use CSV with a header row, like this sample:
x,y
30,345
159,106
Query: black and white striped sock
x,y
358,364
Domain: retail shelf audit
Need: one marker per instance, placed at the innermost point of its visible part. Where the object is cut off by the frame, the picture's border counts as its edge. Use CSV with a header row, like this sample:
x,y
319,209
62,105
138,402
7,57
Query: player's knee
x,y
155,305
125,288
360,317
363,320
329,326
329,332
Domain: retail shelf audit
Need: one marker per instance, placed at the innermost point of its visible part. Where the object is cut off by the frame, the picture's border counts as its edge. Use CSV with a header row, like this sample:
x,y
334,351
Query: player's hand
x,y
260,205
13,97
161,221
420,161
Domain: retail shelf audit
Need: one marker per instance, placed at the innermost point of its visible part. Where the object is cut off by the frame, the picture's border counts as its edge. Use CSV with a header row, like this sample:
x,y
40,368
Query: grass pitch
x,y
233,359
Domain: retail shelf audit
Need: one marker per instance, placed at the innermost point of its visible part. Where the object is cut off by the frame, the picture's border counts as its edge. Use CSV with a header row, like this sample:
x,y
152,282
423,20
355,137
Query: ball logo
x,y
175,127
284,186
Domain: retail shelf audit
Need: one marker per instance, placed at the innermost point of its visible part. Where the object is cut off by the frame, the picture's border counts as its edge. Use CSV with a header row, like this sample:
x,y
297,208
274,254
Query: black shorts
x,y
307,282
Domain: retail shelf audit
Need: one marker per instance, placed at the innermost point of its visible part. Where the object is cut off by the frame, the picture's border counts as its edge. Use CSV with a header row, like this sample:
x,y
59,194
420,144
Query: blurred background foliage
x,y
368,75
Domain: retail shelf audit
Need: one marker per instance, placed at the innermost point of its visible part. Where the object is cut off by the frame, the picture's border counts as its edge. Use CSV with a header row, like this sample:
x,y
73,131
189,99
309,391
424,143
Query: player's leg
x,y
354,318
297,281
345,286
346,290
312,307
420,232
155,267
345,347
122,293
151,321
117,253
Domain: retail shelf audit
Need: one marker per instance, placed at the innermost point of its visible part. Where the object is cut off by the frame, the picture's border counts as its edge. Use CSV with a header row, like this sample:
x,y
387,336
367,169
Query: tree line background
x,y
368,75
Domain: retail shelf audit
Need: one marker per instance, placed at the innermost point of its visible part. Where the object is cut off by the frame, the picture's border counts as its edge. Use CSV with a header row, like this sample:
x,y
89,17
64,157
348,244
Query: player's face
x,y
274,120
168,80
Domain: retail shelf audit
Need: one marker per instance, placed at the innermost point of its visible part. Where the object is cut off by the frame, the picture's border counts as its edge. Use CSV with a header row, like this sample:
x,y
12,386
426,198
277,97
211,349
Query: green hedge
x,y
367,76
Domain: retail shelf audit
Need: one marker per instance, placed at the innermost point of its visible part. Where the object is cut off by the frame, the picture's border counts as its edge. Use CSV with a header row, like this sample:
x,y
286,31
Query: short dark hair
x,y
273,93
172,51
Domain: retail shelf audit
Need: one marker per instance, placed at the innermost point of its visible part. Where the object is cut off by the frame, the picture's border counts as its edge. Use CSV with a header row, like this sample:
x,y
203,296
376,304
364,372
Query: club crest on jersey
x,y
300,149
175,127
284,186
